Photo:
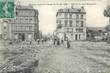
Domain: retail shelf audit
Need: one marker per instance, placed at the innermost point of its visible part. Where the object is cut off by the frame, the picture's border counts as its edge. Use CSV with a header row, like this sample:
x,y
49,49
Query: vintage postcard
x,y
54,36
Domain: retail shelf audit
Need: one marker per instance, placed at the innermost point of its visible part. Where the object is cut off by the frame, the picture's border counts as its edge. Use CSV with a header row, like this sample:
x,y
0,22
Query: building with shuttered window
x,y
71,23
24,27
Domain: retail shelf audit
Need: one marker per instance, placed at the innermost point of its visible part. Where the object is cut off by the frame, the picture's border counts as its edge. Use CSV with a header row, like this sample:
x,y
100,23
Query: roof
x,y
81,10
24,7
28,7
96,28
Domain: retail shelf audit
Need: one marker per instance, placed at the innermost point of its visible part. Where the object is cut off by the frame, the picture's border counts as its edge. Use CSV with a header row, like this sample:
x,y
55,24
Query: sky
x,y
47,13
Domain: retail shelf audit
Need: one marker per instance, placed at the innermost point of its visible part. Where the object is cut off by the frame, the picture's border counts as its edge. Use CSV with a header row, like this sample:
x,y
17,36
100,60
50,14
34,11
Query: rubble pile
x,y
23,59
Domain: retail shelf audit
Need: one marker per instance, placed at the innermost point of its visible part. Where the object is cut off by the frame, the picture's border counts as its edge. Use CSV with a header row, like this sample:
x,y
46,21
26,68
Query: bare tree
x,y
107,14
107,11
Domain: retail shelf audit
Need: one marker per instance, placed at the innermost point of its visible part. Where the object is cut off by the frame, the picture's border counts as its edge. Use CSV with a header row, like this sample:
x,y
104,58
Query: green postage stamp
x,y
7,9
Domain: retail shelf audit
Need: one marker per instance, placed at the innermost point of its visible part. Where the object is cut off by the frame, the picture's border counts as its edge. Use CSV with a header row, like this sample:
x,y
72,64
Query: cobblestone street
x,y
82,57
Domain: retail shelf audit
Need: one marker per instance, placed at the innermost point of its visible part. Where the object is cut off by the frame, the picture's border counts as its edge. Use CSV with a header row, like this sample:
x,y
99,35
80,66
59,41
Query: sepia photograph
x,y
62,36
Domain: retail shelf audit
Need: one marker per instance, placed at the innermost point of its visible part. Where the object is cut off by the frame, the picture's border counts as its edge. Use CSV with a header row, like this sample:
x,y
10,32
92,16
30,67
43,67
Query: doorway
x,y
76,37
22,36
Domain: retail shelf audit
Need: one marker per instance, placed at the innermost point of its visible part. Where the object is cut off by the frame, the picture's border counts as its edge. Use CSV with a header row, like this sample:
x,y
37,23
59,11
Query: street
x,y
82,57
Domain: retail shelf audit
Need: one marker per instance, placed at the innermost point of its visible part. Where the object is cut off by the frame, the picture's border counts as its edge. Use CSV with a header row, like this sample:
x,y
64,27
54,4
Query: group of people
x,y
61,41
42,41
55,41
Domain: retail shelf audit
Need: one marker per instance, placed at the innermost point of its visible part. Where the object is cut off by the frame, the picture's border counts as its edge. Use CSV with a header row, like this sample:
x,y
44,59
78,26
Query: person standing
x,y
54,41
58,42
62,41
42,41
68,44
38,41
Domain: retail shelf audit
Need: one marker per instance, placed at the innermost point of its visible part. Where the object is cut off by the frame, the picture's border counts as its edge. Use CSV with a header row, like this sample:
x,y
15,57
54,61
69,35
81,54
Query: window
x,y
66,15
77,16
70,23
82,23
82,16
69,29
59,22
59,14
66,22
79,36
79,30
30,20
30,28
5,27
77,23
70,16
21,19
27,28
26,19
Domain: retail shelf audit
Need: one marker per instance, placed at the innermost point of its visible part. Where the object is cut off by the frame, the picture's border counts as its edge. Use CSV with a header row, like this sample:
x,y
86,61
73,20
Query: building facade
x,y
71,23
96,34
24,27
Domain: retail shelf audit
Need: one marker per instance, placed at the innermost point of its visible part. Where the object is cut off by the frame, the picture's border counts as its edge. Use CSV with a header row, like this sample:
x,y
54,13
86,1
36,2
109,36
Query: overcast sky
x,y
47,13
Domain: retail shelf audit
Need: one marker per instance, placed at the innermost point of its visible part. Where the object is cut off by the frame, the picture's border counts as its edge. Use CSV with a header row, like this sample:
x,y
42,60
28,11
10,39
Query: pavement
x,y
81,57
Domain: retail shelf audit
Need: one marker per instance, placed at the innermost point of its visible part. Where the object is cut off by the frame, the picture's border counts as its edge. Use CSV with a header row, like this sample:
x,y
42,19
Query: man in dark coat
x,y
68,44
